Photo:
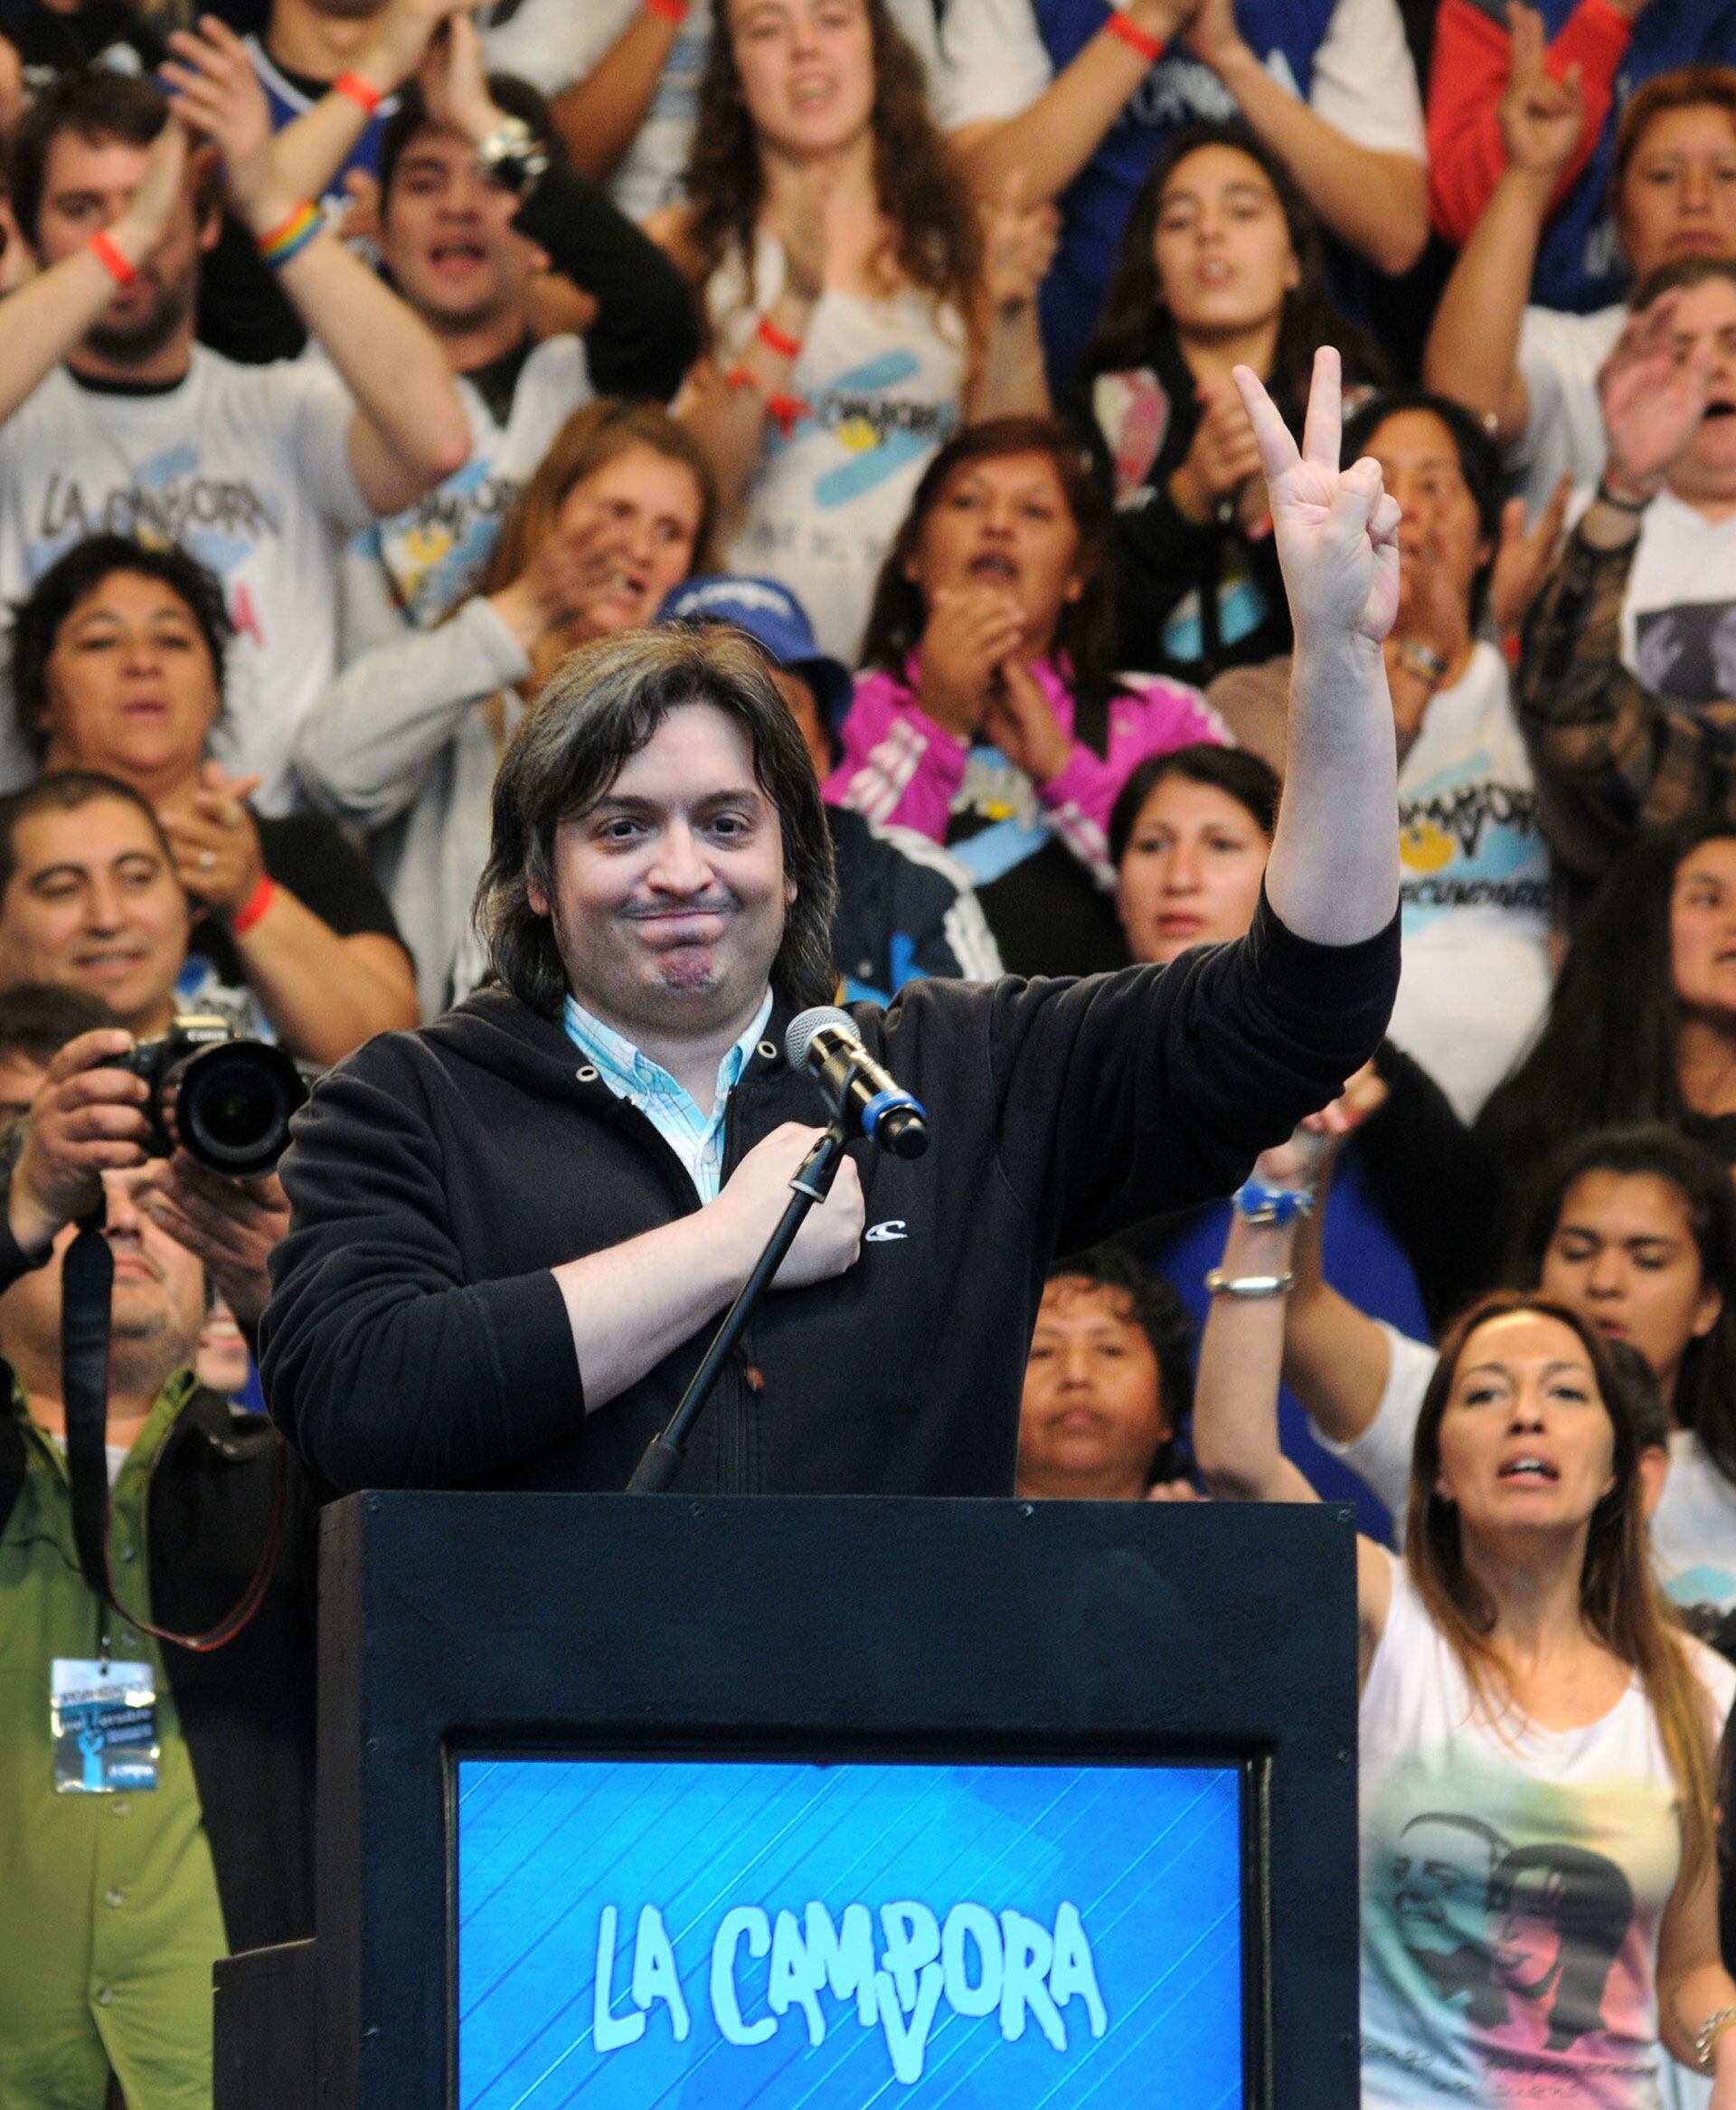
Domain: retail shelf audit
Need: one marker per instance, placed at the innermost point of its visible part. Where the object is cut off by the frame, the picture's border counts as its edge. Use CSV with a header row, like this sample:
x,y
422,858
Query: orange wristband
x,y
254,906
1139,40
363,94
674,11
112,261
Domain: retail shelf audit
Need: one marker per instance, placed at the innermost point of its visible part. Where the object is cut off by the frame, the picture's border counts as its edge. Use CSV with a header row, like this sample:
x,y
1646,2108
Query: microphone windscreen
x,y
799,1037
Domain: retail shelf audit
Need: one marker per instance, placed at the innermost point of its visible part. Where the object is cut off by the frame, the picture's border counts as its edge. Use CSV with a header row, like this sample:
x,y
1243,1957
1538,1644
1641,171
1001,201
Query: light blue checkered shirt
x,y
696,1139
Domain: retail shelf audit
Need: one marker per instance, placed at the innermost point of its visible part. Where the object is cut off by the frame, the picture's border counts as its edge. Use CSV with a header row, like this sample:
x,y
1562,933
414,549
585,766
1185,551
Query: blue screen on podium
x,y
651,1932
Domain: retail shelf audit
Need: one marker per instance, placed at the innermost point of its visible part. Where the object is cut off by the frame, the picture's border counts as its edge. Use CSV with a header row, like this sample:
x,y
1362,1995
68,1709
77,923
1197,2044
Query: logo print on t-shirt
x,y
881,432
1524,1935
1688,651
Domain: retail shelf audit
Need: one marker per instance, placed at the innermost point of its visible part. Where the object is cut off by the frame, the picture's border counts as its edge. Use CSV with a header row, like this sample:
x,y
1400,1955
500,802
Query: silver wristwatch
x,y
512,157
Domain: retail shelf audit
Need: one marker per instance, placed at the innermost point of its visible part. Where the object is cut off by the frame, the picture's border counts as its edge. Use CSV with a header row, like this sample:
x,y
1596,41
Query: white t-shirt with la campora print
x,y
1693,1533
246,467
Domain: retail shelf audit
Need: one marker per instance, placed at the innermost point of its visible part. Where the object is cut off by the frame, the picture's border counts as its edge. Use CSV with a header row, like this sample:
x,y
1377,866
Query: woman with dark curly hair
x,y
855,307
987,716
1219,266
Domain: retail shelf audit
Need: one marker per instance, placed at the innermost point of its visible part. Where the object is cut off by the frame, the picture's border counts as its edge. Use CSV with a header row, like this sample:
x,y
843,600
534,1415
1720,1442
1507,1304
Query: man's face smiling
x,y
669,889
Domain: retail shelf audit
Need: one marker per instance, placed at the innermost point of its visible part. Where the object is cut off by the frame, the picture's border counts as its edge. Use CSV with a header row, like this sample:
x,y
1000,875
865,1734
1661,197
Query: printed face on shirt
x,y
1191,873
131,689
1092,1417
1003,525
159,1294
86,186
93,904
633,522
669,895
1678,195
1525,1441
446,233
1623,1255
1702,929
1703,327
1221,245
1441,530
805,69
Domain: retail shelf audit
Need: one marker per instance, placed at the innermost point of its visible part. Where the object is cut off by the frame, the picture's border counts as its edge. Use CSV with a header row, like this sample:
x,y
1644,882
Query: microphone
x,y
825,1041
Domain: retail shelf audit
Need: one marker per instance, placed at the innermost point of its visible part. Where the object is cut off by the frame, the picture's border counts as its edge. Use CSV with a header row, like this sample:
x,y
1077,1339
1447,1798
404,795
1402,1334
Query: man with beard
x,y
115,419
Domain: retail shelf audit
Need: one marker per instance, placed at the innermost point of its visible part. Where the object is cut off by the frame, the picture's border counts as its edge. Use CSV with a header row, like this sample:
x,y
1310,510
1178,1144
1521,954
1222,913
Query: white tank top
x,y
882,382
1512,1887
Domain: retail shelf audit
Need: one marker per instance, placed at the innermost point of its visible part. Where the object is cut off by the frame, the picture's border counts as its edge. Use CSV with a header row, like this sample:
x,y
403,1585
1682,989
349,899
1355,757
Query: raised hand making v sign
x,y
1333,872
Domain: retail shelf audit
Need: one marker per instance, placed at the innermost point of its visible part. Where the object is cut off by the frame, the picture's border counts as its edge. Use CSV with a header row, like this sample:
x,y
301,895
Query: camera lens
x,y
233,1106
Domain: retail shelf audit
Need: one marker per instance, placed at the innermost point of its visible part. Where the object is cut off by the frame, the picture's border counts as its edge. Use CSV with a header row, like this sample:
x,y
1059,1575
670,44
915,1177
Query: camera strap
x,y
87,1291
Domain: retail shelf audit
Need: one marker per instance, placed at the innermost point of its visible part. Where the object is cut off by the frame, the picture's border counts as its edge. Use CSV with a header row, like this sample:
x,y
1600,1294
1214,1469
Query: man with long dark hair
x,y
512,1230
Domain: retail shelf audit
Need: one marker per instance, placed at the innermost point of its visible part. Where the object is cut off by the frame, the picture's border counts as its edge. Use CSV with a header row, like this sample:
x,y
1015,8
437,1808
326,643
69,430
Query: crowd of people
x,y
918,373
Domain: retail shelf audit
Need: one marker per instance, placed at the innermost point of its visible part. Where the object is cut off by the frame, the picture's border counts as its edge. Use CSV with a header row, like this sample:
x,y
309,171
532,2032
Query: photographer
x,y
125,1877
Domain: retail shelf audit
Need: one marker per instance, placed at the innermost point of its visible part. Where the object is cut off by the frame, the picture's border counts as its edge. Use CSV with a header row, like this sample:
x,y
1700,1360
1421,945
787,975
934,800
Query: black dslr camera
x,y
225,1102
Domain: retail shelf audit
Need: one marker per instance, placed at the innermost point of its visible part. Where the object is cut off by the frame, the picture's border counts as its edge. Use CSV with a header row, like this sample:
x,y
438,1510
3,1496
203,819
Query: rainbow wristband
x,y
296,232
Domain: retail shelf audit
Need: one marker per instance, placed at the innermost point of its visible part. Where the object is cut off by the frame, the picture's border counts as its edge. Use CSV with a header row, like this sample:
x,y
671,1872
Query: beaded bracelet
x,y
112,261
1148,47
363,94
296,232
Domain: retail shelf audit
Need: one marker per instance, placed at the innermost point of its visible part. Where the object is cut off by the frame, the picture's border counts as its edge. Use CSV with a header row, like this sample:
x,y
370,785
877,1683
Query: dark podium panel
x,y
633,1800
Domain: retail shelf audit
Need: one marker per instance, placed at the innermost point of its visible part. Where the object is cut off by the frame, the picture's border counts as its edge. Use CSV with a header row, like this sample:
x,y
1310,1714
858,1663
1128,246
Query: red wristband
x,y
254,906
363,94
112,261
1148,47
674,11
770,336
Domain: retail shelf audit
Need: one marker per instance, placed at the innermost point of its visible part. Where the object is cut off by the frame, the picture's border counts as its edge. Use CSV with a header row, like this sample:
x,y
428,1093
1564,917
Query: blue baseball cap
x,y
775,619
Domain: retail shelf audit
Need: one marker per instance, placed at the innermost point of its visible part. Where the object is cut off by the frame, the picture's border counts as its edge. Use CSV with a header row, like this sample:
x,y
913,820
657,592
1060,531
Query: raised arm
x,y
1235,1392
1473,349
1374,198
1611,753
410,430
598,117
1473,57
1052,139
1333,872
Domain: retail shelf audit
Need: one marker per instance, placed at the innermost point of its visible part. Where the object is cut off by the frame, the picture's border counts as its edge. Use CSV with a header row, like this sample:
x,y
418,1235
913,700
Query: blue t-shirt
x,y
1179,91
1579,264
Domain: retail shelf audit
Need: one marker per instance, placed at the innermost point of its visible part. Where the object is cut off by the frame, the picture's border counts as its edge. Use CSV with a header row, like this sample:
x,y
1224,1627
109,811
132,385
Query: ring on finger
x,y
207,859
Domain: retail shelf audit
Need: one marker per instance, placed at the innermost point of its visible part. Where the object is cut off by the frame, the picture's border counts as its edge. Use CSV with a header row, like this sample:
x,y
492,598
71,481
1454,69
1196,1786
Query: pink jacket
x,y
898,766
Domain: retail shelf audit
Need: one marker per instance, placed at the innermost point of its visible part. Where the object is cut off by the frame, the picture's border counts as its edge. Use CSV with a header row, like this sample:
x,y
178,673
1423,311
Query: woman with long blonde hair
x,y
857,308
405,741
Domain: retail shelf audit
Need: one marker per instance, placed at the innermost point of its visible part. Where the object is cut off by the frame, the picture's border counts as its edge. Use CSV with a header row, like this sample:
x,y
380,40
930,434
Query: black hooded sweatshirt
x,y
416,1336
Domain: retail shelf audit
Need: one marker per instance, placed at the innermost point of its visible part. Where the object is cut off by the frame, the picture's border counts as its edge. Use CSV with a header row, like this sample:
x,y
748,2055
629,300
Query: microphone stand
x,y
812,1183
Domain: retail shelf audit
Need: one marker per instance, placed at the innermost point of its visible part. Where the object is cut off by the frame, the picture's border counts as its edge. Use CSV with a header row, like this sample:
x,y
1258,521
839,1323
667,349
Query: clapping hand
x,y
218,94
1018,246
1653,398
216,843
1524,555
1336,529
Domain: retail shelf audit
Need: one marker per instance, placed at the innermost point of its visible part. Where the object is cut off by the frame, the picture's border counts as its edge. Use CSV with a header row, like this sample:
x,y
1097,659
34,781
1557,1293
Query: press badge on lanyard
x,y
103,1721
